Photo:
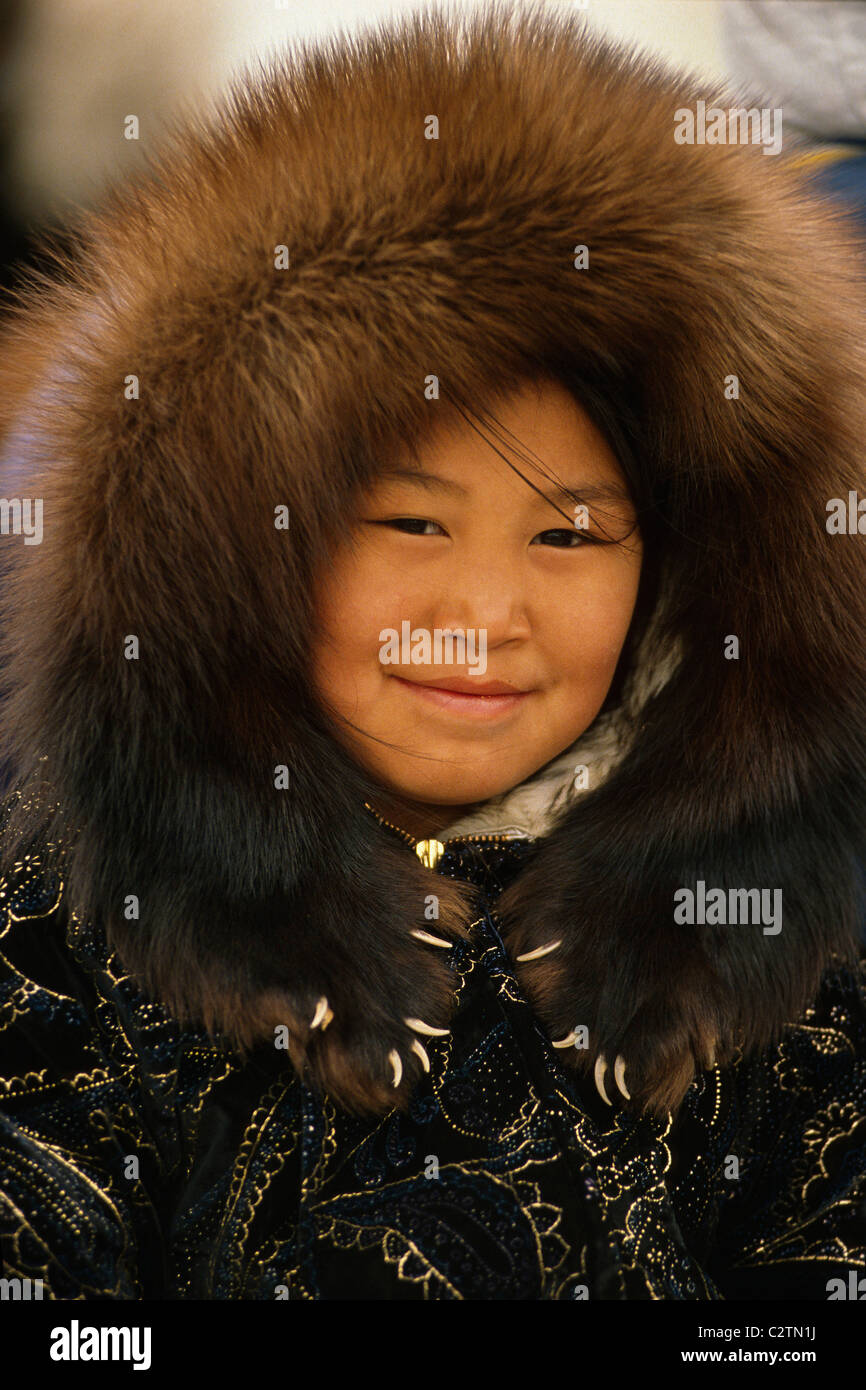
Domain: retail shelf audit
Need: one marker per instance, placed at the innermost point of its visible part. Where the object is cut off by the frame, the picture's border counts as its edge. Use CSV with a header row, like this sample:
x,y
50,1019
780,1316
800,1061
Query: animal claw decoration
x,y
660,1044
571,1038
322,1060
421,1027
655,1102
323,1014
540,951
431,940
397,1064
619,1077
422,1053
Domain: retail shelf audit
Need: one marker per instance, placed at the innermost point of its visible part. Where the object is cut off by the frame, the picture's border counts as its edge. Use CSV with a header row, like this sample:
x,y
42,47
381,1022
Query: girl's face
x,y
467,544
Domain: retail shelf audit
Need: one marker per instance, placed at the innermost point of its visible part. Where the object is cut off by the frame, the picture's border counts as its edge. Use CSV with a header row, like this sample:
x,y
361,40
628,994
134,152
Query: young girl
x,y
437,702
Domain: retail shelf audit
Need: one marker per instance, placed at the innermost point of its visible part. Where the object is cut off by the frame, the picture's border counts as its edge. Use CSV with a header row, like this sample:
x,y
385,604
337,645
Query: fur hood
x,y
179,379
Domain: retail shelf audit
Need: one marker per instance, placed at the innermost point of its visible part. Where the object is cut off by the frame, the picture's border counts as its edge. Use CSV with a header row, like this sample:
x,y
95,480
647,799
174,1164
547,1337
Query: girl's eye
x,y
414,526
409,521
579,536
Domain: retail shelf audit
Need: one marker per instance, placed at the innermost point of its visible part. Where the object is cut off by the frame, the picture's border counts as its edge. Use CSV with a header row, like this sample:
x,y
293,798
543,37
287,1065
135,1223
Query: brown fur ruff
x,y
261,386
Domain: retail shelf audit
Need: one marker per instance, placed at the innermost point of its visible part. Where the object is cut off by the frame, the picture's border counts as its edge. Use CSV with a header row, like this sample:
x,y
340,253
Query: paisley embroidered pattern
x,y
506,1179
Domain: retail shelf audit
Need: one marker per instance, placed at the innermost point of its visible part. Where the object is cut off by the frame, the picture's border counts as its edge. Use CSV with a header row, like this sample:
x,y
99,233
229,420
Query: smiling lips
x,y
464,695
467,685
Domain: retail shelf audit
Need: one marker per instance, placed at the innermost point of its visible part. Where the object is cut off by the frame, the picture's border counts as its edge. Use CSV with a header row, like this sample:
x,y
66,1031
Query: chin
x,y
462,791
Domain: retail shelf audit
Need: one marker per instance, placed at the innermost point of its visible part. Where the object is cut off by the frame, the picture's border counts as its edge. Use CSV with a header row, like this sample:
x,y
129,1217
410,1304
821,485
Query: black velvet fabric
x,y
140,1160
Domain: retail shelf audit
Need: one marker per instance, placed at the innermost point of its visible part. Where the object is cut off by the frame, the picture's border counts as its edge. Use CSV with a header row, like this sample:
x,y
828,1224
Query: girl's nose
x,y
483,586
502,614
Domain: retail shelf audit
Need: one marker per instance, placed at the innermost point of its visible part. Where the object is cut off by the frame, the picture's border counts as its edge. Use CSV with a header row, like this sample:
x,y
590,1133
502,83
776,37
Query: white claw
x,y
568,1041
322,1013
540,951
431,940
421,1027
600,1069
619,1076
425,1060
397,1064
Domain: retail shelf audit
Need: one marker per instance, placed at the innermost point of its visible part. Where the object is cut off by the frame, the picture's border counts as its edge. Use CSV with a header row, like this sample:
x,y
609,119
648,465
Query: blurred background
x,y
71,71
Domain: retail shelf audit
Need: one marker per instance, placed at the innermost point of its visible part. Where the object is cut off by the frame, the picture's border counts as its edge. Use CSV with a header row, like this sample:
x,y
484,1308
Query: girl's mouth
x,y
455,702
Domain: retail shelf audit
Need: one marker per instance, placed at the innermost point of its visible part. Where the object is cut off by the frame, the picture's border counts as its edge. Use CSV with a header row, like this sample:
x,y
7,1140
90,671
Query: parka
x,y
609,1086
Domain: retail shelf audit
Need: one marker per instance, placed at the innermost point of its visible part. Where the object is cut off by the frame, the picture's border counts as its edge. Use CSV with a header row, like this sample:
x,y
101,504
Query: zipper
x,y
431,851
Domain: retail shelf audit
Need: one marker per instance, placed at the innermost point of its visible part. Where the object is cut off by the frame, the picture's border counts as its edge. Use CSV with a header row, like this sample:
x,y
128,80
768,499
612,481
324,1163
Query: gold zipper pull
x,y
429,852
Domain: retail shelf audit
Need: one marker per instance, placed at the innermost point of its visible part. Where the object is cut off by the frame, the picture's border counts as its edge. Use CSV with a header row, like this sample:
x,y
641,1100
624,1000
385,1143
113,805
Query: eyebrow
x,y
588,492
